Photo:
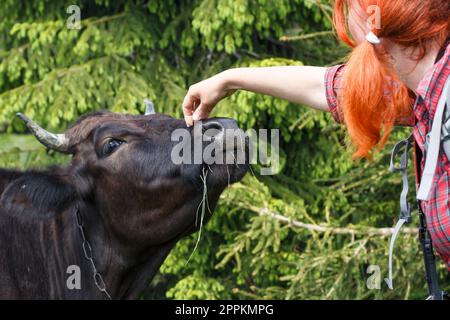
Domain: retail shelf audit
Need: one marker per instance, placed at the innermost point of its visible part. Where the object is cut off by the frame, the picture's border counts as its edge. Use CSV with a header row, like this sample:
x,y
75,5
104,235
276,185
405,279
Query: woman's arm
x,y
297,84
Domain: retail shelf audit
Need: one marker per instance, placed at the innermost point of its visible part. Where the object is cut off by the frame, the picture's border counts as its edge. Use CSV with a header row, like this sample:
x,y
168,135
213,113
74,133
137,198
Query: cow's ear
x,y
39,194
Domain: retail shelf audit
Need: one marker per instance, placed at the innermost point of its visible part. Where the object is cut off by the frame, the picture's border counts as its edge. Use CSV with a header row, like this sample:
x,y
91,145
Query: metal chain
x,y
87,249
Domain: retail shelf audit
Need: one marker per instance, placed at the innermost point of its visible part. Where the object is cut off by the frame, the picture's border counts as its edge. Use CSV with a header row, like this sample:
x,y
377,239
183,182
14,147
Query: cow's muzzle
x,y
229,142
226,132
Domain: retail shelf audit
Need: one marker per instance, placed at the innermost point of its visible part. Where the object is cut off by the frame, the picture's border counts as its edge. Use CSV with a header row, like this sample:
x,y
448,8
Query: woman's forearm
x,y
297,84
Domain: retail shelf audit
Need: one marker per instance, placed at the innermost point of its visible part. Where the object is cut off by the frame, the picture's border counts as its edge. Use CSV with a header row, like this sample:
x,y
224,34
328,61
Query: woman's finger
x,y
202,112
189,103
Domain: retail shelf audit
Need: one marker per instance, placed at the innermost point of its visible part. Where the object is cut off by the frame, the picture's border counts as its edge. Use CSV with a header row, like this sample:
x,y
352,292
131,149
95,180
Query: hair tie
x,y
372,38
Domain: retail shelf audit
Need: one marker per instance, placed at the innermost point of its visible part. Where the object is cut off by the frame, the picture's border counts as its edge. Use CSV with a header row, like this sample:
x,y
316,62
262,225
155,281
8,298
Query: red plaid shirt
x,y
437,208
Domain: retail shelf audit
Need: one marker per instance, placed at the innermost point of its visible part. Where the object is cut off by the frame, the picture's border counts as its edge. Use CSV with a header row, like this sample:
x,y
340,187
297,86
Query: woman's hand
x,y
203,96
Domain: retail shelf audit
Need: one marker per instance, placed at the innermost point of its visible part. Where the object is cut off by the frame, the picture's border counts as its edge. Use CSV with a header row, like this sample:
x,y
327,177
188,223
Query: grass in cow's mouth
x,y
202,205
228,175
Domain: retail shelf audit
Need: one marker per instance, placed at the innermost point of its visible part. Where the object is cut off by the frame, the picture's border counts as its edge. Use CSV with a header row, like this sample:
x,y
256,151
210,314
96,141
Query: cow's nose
x,y
220,124
215,128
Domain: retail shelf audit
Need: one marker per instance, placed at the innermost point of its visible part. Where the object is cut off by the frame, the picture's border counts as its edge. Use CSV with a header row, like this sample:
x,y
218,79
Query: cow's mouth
x,y
225,162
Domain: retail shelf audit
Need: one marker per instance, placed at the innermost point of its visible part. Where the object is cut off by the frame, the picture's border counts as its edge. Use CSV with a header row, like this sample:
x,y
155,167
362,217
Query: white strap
x,y
397,228
427,179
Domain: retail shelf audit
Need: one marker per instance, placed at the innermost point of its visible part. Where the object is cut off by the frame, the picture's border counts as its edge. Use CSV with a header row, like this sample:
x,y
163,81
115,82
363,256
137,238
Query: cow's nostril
x,y
212,124
212,129
220,124
215,129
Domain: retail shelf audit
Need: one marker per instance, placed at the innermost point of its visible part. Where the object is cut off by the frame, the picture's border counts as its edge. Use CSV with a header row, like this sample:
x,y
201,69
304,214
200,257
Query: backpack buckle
x,y
402,148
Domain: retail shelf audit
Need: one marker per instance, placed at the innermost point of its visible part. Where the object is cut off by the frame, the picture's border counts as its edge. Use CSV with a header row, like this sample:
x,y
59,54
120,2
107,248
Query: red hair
x,y
372,95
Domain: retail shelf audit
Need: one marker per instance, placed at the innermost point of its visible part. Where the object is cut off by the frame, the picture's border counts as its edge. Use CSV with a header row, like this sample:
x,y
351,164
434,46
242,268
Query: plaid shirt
x,y
437,208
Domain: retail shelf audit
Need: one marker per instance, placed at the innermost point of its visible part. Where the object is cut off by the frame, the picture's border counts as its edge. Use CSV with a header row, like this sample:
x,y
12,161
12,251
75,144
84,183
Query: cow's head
x,y
124,165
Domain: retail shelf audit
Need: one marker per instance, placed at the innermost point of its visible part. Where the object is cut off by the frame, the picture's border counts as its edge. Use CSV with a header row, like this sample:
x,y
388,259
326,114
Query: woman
x,y
394,76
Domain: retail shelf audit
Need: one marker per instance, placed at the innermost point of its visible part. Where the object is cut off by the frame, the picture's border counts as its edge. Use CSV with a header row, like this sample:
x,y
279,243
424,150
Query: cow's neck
x,y
126,267
141,227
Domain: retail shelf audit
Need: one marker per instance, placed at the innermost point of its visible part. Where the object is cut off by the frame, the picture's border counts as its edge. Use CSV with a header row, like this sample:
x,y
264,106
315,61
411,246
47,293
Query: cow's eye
x,y
110,146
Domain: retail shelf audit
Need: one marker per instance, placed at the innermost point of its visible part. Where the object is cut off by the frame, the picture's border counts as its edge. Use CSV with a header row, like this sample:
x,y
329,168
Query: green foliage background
x,y
126,51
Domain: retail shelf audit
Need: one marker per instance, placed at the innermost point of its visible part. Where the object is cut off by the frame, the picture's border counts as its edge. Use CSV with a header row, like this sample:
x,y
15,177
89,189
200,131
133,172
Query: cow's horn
x,y
149,107
57,142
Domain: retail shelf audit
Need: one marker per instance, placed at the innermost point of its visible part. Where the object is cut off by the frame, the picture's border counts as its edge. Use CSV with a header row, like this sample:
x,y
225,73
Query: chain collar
x,y
87,249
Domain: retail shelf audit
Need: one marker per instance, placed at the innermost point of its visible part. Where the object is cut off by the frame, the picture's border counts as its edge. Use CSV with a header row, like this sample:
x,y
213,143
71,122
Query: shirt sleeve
x,y
333,84
333,77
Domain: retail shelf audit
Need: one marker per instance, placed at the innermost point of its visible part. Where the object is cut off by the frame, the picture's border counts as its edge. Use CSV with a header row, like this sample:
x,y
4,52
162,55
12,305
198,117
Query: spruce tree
x,y
310,232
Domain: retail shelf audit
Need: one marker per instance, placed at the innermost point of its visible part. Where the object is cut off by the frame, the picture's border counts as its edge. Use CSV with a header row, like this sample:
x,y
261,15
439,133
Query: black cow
x,y
121,192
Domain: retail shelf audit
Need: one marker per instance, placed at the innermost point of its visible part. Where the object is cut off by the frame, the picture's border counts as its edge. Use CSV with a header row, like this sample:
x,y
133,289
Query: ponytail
x,y
372,99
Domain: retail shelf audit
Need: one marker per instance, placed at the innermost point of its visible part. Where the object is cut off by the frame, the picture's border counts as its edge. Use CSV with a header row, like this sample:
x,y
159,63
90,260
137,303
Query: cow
x,y
112,215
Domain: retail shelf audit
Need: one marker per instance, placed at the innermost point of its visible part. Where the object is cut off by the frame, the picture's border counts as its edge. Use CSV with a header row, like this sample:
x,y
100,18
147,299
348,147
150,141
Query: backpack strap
x,y
402,148
434,145
426,243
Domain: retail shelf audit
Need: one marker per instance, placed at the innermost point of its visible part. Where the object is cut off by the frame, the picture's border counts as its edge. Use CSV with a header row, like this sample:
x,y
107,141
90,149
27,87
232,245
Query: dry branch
x,y
384,232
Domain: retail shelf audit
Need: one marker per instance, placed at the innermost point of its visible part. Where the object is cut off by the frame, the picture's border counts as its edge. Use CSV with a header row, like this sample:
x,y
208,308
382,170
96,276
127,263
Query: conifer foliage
x,y
310,232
